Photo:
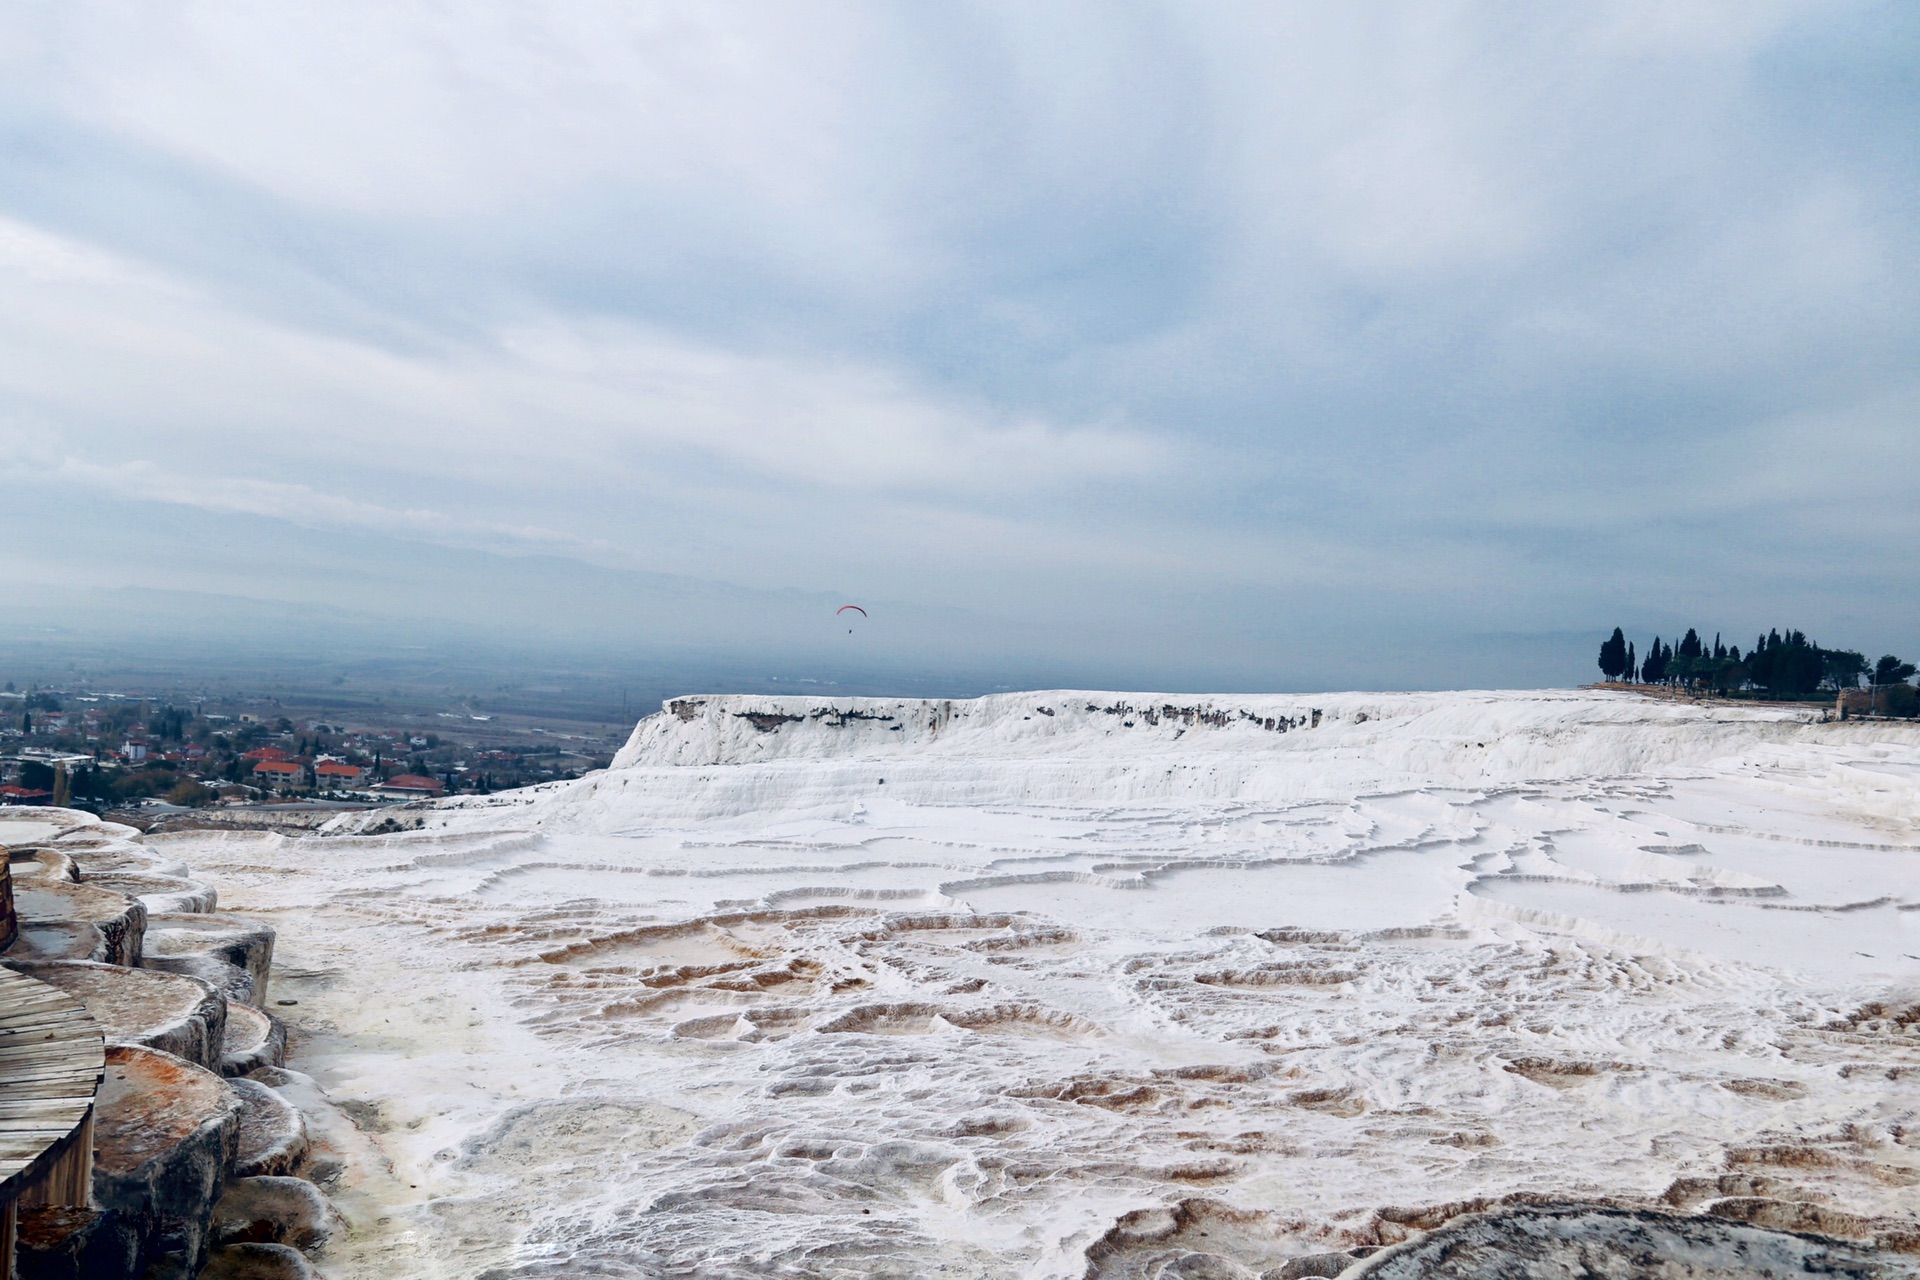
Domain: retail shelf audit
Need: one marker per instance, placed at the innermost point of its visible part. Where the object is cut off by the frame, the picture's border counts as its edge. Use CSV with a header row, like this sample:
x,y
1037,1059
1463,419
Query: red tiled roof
x,y
412,782
282,768
336,768
267,753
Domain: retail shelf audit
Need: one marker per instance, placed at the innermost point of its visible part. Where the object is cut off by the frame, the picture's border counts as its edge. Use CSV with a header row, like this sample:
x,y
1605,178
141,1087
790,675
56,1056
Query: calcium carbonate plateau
x,y
1089,984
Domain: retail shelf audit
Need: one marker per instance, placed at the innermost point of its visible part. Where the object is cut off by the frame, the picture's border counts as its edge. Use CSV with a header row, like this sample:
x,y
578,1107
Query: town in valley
x,y
153,754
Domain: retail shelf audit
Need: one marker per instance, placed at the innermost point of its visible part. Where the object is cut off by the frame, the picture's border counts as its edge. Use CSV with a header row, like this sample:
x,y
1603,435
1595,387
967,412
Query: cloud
x,y
300,504
578,399
1096,311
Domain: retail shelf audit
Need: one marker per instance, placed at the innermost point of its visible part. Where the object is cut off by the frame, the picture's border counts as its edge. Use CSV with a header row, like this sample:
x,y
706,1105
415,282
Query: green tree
x,y
1653,667
1890,670
144,782
1613,655
1789,666
1842,668
190,794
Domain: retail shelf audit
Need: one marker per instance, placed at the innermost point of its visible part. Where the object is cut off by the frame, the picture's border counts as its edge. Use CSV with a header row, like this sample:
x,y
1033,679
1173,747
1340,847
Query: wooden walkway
x,y
52,1059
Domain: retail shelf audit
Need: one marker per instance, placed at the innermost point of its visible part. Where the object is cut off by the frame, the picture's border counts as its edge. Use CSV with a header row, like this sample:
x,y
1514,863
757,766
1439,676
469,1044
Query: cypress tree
x,y
1613,655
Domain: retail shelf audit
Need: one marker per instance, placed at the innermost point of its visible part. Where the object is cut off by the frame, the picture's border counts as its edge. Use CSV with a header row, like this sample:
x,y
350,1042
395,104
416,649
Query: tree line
x,y
1777,666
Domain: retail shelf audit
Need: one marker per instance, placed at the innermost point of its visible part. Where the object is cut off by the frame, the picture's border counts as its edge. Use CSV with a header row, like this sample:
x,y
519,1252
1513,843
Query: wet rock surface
x,y
65,1243
176,1015
57,940
233,983
102,858
257,1262
164,1136
158,894
254,1039
67,921
1591,1243
183,1159
712,1016
273,1135
1066,964
338,1147
50,864
274,1210
245,944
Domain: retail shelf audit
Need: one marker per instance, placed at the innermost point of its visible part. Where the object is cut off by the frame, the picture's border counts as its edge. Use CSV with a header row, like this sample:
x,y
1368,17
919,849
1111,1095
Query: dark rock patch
x,y
164,1136
246,945
1575,1242
107,926
272,1140
159,894
231,981
273,1210
257,1262
55,1243
254,1039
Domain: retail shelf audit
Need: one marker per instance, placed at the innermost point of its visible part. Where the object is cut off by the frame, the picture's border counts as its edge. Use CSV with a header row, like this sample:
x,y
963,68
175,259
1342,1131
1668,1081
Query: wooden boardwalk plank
x,y
52,1059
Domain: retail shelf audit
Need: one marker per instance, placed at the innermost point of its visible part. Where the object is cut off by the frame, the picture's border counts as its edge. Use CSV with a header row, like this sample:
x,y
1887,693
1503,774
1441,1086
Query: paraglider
x,y
843,608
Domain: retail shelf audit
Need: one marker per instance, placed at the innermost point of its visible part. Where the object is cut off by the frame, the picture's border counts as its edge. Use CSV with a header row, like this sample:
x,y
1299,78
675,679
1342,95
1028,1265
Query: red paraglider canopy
x,y
843,608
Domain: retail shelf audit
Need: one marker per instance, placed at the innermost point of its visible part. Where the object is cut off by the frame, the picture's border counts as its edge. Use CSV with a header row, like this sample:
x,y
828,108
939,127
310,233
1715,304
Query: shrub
x,y
190,794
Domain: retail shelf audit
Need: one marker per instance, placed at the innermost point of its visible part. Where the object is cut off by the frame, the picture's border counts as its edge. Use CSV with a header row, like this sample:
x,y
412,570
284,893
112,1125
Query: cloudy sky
x,y
1265,345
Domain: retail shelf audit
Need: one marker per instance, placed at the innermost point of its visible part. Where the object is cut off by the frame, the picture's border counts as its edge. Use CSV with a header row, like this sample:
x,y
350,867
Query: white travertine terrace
x,y
1088,984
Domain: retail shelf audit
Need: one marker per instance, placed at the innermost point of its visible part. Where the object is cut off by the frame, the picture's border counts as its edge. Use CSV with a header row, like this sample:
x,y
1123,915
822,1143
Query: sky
x,y
1239,346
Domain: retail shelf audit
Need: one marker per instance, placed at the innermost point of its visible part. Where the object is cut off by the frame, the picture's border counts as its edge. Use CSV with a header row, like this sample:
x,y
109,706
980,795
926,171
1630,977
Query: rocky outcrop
x,y
189,1169
160,895
71,1243
181,1016
164,1133
50,864
274,1210
109,860
60,920
182,942
273,1136
234,984
1620,1244
254,1039
257,1262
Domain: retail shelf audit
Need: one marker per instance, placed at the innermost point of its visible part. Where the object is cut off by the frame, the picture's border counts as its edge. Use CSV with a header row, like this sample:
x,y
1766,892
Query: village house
x,y
280,773
410,786
335,775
